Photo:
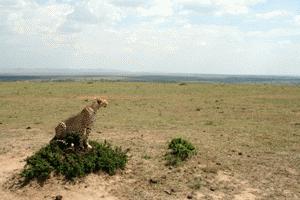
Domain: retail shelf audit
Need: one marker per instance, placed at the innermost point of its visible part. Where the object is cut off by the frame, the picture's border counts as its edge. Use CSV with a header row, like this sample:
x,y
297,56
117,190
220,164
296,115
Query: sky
x,y
260,37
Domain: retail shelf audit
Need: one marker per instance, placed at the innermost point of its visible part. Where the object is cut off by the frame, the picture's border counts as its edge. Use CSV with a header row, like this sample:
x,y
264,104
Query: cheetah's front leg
x,y
87,133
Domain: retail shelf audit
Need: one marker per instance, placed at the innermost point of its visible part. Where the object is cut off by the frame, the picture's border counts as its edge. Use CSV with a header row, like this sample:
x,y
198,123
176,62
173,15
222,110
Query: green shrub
x,y
180,150
60,158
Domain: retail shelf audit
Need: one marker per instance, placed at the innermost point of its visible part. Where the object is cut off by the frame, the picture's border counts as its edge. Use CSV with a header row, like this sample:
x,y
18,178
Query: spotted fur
x,y
80,124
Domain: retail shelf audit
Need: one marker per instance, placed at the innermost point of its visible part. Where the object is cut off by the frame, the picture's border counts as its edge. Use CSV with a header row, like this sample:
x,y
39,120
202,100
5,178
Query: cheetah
x,y
80,124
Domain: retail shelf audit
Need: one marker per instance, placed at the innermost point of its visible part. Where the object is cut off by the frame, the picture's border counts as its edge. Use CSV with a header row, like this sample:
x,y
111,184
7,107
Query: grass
x,y
61,159
197,183
221,120
166,105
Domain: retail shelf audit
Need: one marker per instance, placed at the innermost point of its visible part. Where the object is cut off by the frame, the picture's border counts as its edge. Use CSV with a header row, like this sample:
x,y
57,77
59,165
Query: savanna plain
x,y
247,138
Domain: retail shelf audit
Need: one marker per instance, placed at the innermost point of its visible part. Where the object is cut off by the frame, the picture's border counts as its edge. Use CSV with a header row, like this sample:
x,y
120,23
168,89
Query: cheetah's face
x,y
102,102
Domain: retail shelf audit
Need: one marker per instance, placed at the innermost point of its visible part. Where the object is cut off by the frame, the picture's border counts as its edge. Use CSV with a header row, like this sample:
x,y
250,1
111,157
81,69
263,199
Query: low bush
x,y
60,158
179,150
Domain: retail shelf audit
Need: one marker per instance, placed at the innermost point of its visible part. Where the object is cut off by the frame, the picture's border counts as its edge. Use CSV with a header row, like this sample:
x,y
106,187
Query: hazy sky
x,y
189,36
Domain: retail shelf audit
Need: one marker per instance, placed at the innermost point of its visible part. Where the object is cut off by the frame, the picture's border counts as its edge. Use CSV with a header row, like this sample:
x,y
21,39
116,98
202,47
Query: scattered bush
x,y
60,158
180,150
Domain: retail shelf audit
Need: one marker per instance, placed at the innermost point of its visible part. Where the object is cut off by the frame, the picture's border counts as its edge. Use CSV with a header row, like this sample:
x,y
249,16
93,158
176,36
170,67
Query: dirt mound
x,y
91,187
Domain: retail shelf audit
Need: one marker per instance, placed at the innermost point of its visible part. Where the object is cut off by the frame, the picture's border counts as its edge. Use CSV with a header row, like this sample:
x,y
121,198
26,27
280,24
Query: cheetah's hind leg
x,y
60,131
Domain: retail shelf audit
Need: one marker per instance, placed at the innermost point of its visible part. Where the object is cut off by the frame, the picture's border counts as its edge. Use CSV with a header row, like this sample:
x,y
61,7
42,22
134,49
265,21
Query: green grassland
x,y
251,132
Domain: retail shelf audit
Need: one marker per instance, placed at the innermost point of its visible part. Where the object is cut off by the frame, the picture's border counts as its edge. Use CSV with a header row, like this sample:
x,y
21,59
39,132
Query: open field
x,y
247,138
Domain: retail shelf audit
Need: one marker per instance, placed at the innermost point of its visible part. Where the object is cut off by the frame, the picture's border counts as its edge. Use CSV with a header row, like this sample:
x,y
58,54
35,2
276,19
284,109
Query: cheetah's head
x,y
102,102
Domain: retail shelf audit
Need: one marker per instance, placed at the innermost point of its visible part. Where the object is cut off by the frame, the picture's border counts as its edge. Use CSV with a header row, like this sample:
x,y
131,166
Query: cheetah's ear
x,y
101,102
98,100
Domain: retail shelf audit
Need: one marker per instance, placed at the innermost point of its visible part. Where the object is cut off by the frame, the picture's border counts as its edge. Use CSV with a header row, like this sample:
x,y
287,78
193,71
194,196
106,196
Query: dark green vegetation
x,y
71,162
180,150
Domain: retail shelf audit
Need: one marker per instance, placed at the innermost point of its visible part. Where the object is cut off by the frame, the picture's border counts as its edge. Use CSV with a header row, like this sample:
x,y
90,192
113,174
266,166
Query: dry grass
x,y
247,136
